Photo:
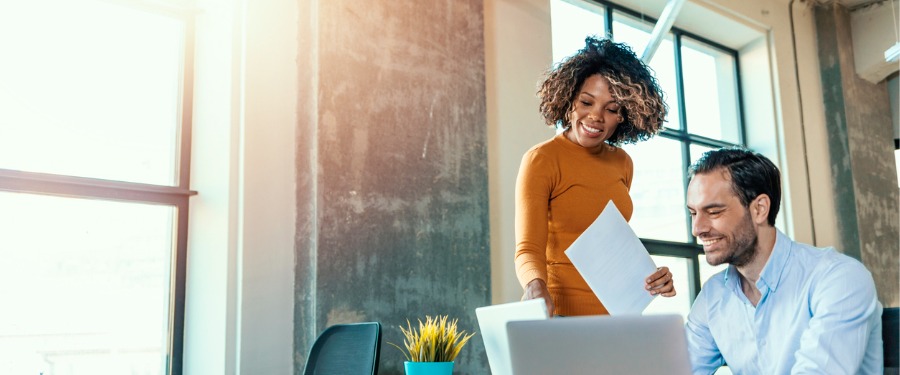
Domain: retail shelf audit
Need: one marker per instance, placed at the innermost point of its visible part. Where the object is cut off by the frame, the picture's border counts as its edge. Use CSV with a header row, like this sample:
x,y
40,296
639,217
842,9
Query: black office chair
x,y
890,333
347,349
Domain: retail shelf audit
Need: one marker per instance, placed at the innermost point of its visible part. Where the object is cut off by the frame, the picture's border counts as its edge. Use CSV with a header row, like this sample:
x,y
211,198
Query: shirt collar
x,y
771,273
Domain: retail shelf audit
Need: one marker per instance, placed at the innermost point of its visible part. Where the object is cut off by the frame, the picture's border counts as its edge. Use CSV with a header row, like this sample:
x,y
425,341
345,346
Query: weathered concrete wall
x,y
392,197
858,118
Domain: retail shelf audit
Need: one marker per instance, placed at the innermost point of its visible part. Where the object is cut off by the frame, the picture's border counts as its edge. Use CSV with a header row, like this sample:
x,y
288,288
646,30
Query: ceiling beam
x,y
661,28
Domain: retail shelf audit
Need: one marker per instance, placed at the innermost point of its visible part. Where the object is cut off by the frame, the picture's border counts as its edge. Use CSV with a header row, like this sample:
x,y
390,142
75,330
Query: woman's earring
x,y
621,119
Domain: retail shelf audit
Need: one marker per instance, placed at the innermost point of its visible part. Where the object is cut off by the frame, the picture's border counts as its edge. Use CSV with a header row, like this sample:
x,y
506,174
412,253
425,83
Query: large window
x,y
700,80
94,163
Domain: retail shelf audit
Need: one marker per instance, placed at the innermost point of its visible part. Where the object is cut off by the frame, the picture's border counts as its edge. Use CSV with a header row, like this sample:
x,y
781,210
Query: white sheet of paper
x,y
614,262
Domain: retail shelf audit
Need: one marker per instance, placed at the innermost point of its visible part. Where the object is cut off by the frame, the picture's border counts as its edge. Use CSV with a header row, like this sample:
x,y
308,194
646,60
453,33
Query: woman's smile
x,y
595,113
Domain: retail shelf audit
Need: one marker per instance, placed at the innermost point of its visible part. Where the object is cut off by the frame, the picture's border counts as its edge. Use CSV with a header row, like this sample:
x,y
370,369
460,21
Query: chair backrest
x,y
351,349
890,330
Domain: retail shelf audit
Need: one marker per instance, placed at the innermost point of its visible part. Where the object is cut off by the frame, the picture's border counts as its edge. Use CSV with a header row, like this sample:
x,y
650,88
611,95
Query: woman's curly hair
x,y
630,82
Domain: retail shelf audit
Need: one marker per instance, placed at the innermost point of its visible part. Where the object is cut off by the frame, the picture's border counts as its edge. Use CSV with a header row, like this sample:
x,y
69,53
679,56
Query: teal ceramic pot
x,y
428,368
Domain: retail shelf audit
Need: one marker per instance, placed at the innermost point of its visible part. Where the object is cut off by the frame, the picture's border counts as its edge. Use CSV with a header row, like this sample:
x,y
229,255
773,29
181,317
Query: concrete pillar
x,y
858,121
392,183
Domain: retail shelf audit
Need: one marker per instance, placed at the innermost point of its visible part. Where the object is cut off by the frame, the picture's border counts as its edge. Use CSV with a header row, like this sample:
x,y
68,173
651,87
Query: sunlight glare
x,y
92,90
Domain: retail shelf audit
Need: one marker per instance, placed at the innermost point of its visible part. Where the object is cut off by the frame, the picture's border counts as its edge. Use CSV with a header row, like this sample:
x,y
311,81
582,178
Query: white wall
x,y
210,307
517,52
239,309
815,149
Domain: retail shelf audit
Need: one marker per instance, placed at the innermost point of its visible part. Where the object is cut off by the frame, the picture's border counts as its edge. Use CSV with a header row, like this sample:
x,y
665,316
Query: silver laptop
x,y
631,344
492,323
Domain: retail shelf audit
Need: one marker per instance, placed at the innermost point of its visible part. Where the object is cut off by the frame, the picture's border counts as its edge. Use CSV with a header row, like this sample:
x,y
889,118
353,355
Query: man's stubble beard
x,y
745,241
743,249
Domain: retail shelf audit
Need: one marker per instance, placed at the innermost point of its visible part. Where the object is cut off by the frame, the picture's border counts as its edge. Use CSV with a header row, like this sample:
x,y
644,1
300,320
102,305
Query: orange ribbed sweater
x,y
561,188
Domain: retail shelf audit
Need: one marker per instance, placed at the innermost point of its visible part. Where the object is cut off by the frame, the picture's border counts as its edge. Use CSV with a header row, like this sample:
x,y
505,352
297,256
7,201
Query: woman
x,y
601,97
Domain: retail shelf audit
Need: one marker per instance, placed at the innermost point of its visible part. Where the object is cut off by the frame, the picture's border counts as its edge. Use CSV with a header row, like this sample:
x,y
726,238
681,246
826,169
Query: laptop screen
x,y
492,323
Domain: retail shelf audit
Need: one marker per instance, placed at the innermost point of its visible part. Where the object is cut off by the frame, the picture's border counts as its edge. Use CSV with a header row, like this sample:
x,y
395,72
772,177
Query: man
x,y
781,307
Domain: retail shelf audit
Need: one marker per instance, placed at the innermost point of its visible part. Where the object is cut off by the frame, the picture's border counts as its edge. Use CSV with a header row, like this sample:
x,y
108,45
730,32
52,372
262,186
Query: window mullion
x,y
178,288
186,107
72,186
679,80
742,133
695,278
609,21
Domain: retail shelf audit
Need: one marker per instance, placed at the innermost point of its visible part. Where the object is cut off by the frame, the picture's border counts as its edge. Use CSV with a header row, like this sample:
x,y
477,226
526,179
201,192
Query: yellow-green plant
x,y
435,340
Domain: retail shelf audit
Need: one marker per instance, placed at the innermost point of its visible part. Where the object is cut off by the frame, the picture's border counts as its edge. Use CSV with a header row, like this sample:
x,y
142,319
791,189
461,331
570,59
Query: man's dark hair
x,y
751,174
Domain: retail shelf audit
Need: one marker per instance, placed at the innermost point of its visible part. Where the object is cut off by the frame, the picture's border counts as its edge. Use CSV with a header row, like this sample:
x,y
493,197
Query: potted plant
x,y
431,347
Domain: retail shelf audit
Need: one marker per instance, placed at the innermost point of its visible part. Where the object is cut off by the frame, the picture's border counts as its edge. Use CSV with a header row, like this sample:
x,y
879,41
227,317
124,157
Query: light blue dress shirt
x,y
818,314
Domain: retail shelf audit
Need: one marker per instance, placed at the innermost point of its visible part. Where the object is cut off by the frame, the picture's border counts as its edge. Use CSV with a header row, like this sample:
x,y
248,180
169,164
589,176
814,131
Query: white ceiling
x,y
701,20
851,4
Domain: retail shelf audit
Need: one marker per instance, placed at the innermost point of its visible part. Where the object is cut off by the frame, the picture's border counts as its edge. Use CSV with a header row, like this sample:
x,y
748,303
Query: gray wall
x,y
858,118
392,187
